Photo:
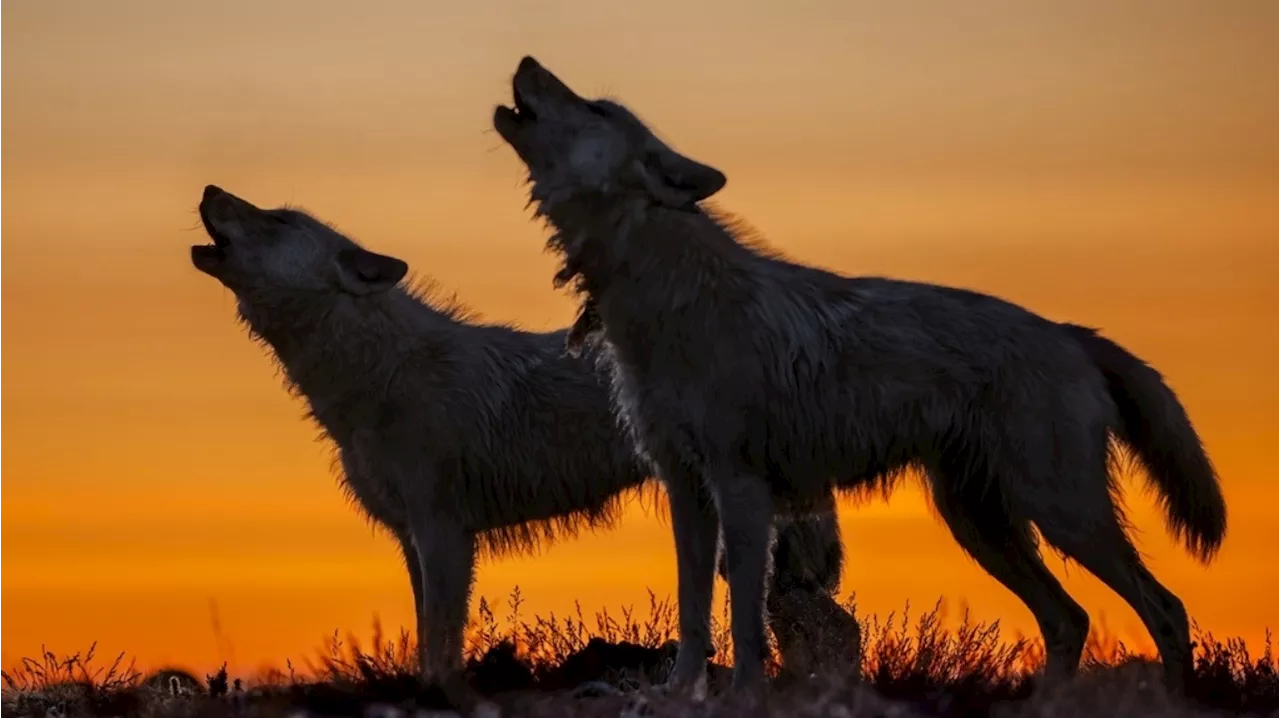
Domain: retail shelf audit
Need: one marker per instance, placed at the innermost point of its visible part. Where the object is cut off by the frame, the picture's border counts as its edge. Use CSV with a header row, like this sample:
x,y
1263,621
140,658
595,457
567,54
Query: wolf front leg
x,y
694,523
446,560
414,566
746,518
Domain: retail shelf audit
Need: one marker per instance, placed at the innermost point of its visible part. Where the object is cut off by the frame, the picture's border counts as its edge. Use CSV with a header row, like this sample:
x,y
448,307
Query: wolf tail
x,y
1155,426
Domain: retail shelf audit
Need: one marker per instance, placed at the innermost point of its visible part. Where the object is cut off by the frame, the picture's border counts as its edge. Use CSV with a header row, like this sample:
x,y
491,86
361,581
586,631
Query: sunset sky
x,y
1108,163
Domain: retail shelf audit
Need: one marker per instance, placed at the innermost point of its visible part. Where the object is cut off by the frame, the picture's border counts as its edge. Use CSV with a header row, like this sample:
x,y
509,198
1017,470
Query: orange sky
x,y
1108,163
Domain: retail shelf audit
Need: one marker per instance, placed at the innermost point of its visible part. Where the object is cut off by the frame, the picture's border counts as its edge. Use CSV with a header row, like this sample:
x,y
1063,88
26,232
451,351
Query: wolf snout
x,y
532,79
211,192
215,203
218,204
527,65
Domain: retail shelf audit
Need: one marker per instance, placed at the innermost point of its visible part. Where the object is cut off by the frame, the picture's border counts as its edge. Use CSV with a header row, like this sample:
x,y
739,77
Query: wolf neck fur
x,y
337,349
607,245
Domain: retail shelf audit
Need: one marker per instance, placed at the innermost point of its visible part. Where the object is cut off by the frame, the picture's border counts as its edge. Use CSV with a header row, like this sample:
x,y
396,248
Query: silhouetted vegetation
x,y
610,665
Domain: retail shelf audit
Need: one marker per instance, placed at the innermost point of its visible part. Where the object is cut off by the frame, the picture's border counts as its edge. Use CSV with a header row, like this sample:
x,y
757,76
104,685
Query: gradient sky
x,y
1108,163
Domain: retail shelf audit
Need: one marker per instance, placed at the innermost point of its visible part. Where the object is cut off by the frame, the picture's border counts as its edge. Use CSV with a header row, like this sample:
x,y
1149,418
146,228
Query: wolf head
x,y
575,147
263,253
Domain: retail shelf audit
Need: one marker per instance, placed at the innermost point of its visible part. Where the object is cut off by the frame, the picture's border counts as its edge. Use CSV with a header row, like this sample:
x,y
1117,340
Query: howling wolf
x,y
776,381
457,437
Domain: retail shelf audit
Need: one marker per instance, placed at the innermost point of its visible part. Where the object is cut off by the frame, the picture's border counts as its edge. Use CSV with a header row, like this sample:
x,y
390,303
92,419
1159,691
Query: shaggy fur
x,y
460,438
778,381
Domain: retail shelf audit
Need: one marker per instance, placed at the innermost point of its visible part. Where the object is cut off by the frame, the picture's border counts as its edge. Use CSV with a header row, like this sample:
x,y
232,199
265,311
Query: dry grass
x,y
607,665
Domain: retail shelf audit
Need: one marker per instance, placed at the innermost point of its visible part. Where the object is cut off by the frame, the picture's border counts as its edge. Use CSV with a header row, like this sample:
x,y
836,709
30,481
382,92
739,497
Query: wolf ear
x,y
362,272
676,180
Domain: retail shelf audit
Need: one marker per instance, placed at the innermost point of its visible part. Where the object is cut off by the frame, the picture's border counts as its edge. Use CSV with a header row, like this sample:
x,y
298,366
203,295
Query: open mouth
x,y
208,256
509,119
523,110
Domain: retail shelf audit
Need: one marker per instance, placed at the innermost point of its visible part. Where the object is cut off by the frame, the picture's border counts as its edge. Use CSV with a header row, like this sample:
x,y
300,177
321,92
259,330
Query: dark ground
x,y
560,667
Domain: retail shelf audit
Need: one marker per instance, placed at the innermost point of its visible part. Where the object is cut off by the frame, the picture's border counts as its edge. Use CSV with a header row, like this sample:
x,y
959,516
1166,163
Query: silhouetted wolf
x,y
777,381
456,436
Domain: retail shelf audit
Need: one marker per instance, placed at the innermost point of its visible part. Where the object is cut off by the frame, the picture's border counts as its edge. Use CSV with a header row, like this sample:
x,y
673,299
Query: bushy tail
x,y
1155,426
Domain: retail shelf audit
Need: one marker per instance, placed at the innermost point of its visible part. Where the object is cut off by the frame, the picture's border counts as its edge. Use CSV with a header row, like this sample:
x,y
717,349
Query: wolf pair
x,y
464,439
751,386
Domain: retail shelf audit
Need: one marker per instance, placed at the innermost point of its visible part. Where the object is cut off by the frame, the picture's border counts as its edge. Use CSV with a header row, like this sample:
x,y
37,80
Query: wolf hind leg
x,y
1006,549
1087,526
814,633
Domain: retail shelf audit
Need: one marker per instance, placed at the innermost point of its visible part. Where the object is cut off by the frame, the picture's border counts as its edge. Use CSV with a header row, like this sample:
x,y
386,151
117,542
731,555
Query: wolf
x,y
775,382
459,438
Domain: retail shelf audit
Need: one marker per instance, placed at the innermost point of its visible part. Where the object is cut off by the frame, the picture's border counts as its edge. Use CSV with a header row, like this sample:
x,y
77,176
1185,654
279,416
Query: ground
x,y
563,668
